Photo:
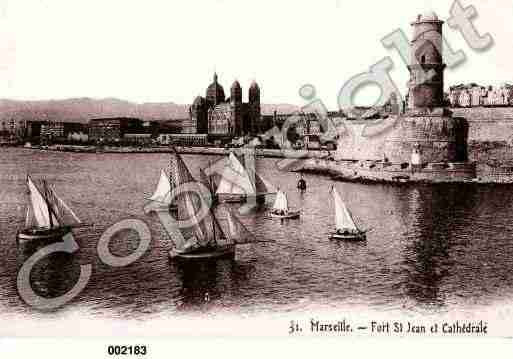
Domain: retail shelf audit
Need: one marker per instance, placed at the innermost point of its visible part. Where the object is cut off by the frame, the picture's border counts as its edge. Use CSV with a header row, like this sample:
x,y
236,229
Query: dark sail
x,y
193,206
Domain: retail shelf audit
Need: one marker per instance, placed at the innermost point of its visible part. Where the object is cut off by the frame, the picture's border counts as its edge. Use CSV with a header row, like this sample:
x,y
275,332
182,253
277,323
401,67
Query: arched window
x,y
423,59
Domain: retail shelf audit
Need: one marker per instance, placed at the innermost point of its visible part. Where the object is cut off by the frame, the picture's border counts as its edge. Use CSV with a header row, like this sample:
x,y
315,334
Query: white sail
x,y
260,184
235,179
40,208
343,218
281,203
63,208
163,191
29,218
237,232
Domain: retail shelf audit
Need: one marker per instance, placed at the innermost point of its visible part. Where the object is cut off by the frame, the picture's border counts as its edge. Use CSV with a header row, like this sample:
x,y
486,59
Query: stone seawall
x,y
490,140
277,153
438,138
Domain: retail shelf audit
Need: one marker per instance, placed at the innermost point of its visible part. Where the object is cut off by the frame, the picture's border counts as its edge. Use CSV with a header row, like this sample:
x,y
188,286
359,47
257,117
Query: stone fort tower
x,y
427,128
426,85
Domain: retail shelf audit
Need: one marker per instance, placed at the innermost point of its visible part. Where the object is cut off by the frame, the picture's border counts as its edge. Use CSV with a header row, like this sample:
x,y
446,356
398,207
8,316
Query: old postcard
x,y
236,169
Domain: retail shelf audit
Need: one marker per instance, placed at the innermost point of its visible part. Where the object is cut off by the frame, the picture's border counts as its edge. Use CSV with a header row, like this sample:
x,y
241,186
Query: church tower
x,y
198,122
236,108
215,93
426,85
254,108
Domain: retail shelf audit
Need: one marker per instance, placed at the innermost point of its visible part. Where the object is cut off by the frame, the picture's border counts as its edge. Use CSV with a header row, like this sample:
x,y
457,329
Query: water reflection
x,y
435,217
53,275
210,283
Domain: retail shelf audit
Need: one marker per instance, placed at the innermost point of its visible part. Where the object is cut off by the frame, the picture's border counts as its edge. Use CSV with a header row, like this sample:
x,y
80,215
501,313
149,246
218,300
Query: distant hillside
x,y
82,109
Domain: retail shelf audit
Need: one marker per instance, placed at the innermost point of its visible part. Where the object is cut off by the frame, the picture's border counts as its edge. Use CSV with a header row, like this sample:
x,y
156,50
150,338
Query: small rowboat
x,y
289,215
357,236
281,208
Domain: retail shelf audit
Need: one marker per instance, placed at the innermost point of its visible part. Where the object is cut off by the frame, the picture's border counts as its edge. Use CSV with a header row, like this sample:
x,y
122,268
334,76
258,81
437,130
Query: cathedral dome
x,y
254,85
236,85
254,90
215,92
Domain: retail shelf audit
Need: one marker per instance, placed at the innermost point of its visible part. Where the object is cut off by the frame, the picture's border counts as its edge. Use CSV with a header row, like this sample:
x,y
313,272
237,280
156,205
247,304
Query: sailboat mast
x,y
30,206
213,223
210,181
46,197
65,206
211,188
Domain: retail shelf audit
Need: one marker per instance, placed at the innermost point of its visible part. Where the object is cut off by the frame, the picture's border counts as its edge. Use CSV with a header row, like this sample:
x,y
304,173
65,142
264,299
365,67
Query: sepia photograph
x,y
275,169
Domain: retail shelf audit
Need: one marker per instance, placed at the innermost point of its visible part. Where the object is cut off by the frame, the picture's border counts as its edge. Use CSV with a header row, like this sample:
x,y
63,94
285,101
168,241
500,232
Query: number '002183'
x,y
127,350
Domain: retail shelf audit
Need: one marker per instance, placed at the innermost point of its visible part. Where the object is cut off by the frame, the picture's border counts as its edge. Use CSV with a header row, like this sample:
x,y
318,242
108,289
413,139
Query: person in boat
x,y
301,184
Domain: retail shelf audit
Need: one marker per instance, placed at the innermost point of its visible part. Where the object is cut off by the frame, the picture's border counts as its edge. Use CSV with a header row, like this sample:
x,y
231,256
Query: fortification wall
x,y
440,139
490,138
488,124
355,143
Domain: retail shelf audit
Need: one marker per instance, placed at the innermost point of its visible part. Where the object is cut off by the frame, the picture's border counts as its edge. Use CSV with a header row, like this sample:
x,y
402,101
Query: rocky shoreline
x,y
361,172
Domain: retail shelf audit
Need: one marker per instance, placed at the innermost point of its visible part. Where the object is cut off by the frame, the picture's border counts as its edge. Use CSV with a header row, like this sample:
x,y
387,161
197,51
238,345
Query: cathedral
x,y
225,118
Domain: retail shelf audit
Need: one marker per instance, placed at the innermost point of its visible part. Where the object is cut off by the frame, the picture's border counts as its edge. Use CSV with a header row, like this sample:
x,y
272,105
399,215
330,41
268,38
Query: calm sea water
x,y
432,248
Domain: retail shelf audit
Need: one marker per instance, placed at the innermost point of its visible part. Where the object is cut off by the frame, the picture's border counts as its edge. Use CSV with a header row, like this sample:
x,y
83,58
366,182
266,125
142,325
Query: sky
x,y
167,51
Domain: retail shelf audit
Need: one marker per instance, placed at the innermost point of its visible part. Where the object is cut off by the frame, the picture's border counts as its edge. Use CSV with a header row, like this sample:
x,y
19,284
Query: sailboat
x,y
346,228
161,198
211,183
205,238
48,217
281,208
237,185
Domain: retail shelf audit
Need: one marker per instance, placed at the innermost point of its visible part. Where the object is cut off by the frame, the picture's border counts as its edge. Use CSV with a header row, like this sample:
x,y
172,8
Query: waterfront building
x,y
59,131
121,129
464,98
51,131
473,95
48,131
11,130
305,129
